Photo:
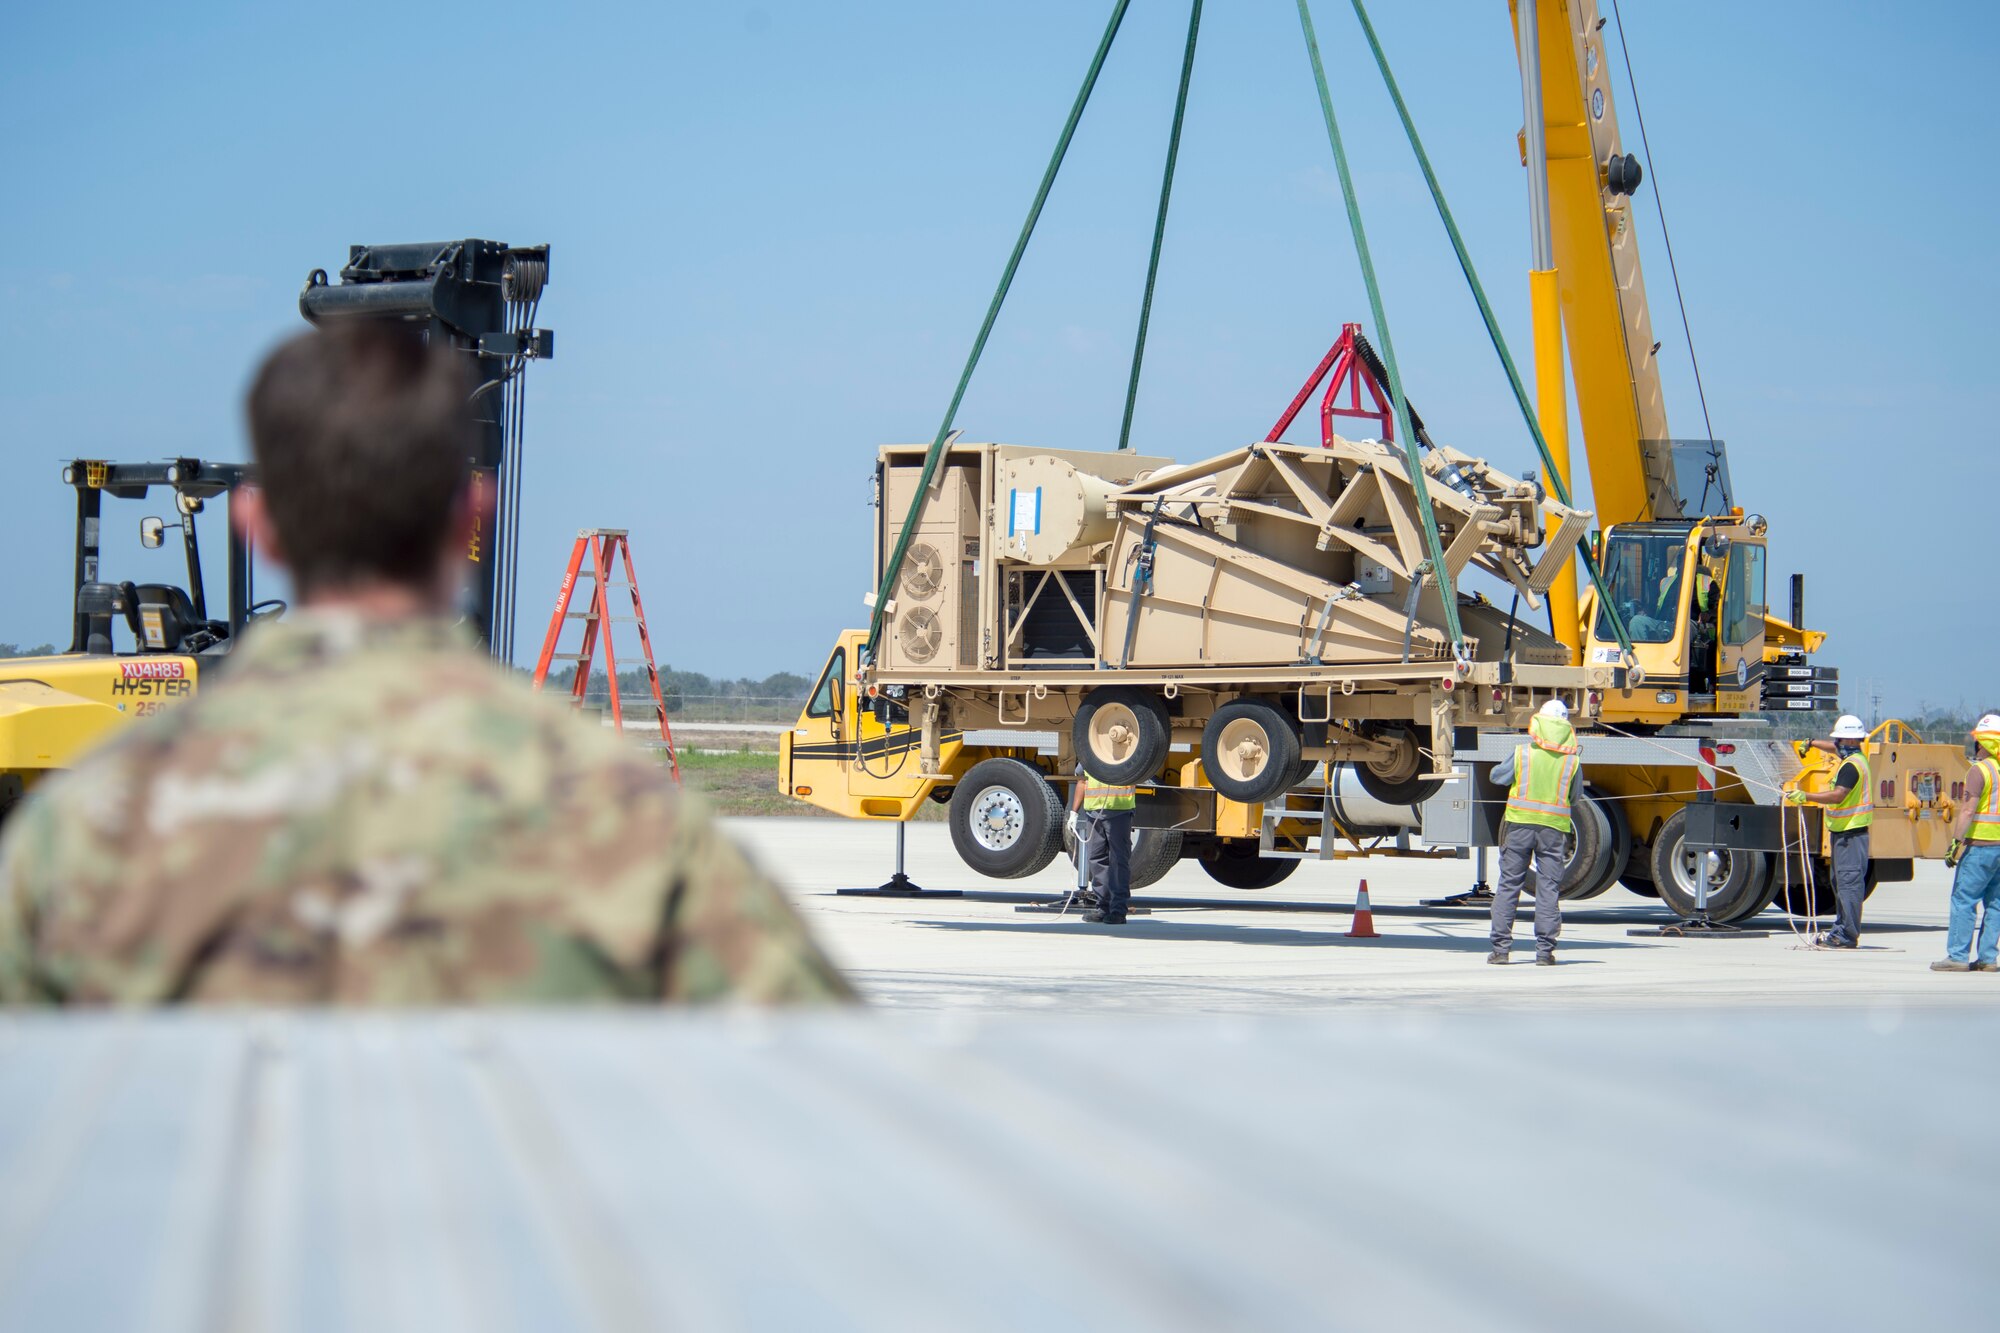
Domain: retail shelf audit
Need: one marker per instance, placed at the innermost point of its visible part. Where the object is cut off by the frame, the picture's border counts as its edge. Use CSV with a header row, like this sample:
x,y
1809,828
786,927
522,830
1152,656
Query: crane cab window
x,y
1642,572
825,699
1743,595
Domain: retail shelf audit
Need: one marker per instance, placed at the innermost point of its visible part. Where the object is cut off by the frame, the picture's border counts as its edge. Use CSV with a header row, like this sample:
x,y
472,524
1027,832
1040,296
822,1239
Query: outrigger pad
x,y
1083,903
900,886
1697,929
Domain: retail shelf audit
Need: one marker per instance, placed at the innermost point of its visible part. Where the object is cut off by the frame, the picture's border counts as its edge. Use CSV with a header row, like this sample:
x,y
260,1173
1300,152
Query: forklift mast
x,y
479,297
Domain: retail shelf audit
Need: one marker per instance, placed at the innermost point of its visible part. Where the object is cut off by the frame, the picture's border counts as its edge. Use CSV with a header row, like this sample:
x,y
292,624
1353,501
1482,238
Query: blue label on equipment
x,y
1024,511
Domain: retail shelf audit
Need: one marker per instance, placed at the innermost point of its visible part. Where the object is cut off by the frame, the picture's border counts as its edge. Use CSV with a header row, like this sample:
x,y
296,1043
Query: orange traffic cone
x,y
1364,919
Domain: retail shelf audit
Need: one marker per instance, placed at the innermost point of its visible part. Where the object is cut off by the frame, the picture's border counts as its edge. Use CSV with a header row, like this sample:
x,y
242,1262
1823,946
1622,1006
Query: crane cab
x,y
1692,596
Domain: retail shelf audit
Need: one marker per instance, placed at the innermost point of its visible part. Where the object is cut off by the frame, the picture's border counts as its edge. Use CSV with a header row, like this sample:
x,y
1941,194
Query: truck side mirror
x,y
152,533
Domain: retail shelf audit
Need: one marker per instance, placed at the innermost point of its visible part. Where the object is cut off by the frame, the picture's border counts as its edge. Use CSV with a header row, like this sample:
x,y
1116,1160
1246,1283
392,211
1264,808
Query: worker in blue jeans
x,y
1975,851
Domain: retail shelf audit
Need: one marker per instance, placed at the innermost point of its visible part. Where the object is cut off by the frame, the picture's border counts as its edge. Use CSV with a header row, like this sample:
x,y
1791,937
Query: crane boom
x,y
1600,282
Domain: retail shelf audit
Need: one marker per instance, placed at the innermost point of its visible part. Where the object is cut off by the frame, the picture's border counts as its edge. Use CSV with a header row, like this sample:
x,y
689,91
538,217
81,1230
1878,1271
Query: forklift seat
x,y
166,607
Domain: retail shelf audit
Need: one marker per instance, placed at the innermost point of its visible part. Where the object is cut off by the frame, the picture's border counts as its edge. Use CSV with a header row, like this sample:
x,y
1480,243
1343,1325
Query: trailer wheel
x,y
1121,734
1250,751
1792,897
1675,868
1006,820
1618,850
1398,780
1638,876
1767,888
1247,870
1155,851
1590,848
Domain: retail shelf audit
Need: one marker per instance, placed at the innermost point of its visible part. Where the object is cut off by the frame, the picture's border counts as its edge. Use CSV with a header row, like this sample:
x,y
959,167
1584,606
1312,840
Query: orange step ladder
x,y
604,548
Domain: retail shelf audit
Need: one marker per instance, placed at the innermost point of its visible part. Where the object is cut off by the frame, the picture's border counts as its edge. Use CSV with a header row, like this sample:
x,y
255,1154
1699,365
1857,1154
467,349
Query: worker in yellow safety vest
x,y
1850,812
1975,852
1104,840
1541,778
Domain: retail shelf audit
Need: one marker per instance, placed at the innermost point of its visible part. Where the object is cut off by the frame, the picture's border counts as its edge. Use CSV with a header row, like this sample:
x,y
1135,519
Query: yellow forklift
x,y
135,648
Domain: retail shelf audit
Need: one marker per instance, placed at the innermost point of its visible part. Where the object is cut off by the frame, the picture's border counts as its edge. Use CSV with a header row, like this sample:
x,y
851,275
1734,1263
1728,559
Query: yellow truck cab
x,y
855,755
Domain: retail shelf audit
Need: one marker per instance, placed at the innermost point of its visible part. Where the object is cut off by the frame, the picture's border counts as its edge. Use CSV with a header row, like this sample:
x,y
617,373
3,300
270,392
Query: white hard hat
x,y
1556,709
1849,728
1991,722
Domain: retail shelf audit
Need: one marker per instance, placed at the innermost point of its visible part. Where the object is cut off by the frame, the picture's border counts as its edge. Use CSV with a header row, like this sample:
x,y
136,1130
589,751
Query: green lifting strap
x,y
1492,325
1160,227
1432,542
894,565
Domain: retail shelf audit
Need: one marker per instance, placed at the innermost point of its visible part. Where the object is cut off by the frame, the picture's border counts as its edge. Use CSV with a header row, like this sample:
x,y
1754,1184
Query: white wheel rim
x,y
1114,733
997,819
1243,749
1687,869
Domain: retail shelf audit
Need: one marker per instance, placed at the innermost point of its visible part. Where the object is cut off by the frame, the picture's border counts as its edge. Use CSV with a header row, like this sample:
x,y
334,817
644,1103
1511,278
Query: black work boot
x,y
1104,916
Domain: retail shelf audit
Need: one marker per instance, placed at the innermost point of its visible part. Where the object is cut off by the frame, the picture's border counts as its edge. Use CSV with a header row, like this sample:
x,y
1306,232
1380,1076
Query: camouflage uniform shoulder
x,y
365,812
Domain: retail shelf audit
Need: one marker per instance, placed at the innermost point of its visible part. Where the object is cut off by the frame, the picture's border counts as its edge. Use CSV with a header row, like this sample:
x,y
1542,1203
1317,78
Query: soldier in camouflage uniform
x,y
364,810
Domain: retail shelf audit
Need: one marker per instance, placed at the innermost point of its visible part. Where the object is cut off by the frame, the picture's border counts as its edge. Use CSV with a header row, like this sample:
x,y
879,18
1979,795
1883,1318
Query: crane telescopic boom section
x,y
1599,281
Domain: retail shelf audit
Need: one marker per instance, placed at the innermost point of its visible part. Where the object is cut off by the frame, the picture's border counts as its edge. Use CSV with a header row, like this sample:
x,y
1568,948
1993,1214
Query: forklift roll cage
x,y
191,478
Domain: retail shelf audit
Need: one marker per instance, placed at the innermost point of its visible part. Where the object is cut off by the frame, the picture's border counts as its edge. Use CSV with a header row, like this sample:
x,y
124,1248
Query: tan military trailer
x,y
1212,633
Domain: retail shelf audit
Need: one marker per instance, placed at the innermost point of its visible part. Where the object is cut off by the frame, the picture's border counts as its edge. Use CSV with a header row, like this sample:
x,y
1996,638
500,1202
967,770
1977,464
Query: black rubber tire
x,y
1412,790
1281,751
1767,890
1149,752
1590,848
1739,888
1618,850
1155,851
1035,816
1248,872
1300,772
1823,901
1638,876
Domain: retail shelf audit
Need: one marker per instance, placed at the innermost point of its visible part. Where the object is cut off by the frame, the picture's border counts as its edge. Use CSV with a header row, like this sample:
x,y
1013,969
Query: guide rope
x,y
1432,542
1160,226
893,566
1493,333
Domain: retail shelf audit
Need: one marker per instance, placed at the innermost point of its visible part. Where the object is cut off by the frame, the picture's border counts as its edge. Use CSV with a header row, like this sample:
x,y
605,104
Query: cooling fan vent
x,y
917,629
923,572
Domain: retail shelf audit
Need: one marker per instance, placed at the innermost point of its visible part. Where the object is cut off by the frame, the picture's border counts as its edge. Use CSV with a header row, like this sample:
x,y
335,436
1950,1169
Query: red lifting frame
x,y
1351,372
604,546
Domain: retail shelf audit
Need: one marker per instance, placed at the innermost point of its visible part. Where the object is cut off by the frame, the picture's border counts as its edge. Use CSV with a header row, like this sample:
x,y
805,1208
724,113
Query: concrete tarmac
x,y
1209,950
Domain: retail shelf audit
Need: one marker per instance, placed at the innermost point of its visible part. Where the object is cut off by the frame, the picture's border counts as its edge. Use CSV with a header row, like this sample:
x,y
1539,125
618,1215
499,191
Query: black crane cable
x,y
1660,208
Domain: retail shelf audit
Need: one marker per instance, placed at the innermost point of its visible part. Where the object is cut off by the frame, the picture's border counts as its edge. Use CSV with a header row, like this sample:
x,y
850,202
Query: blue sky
x,y
775,228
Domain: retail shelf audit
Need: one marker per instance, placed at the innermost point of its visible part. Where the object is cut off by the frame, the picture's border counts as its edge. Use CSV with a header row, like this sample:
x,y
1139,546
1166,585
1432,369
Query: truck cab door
x,y
1740,628
813,756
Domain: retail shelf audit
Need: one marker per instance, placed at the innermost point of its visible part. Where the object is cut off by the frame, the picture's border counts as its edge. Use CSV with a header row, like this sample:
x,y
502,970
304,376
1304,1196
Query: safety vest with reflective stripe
x,y
1985,825
1103,796
1856,810
1542,788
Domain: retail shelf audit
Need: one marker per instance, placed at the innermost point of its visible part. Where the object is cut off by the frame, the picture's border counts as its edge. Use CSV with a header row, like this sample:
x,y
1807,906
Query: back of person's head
x,y
363,440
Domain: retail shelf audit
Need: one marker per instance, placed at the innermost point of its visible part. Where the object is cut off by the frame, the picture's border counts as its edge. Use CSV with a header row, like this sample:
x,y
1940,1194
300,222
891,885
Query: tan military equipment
x,y
1211,630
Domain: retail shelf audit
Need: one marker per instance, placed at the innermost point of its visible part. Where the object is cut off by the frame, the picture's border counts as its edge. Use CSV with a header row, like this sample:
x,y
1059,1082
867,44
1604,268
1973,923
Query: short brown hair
x,y
363,441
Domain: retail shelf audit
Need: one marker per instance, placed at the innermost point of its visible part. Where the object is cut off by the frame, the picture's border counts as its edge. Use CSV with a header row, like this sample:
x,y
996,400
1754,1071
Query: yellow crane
x,y
1682,560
